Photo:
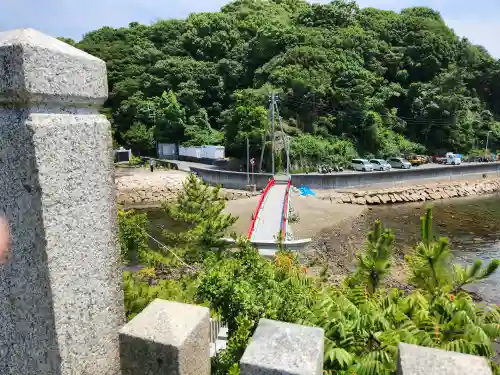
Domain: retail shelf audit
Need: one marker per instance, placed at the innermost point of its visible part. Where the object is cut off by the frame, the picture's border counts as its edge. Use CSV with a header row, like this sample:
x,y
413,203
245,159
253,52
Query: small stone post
x,y
284,348
61,304
167,338
419,360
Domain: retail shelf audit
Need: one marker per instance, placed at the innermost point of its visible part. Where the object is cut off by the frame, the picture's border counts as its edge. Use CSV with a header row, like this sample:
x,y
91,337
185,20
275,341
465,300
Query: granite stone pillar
x,y
167,338
61,304
419,360
283,348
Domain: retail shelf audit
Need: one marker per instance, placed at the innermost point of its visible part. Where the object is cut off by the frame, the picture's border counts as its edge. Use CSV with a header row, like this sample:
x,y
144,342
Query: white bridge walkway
x,y
269,219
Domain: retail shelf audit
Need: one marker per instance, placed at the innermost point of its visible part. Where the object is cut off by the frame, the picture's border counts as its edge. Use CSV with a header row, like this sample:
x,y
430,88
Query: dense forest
x,y
349,80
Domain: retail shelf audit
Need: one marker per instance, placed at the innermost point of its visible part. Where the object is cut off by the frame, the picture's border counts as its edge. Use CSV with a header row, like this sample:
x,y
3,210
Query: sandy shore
x,y
314,214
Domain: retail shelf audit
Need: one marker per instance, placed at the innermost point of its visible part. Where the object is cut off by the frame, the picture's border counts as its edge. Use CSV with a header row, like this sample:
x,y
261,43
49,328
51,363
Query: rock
x,y
384,198
398,198
361,201
346,198
435,196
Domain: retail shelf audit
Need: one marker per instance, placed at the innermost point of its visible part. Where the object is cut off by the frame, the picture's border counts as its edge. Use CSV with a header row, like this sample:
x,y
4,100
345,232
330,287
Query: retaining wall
x,y
230,179
238,180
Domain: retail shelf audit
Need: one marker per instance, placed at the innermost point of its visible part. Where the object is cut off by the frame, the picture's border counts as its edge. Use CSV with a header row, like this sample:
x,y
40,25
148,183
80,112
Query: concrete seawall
x,y
238,180
230,179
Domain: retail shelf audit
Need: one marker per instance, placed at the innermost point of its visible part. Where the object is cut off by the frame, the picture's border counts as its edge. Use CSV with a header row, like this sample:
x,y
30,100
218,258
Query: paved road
x,y
185,165
268,222
424,166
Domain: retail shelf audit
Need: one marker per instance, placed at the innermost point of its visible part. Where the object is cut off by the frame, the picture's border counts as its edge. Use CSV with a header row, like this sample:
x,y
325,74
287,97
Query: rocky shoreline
x,y
142,188
418,193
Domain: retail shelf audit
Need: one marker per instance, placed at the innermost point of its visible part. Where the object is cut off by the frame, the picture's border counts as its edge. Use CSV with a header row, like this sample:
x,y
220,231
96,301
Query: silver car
x,y
380,165
400,163
361,165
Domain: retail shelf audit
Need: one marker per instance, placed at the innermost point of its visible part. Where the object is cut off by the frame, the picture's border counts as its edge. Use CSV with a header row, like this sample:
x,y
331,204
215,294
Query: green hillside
x,y
349,80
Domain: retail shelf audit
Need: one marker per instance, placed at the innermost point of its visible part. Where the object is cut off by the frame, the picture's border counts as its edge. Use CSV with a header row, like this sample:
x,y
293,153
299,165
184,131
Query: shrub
x,y
199,211
133,235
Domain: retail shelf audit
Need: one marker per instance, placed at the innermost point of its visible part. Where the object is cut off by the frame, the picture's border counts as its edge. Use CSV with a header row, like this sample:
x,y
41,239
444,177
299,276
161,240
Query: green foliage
x,y
133,235
309,150
431,266
198,208
364,324
140,138
142,289
135,161
384,82
245,287
374,263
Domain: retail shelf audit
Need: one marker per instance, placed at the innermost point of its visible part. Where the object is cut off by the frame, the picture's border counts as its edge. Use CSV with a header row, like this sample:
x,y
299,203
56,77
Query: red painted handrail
x,y
259,205
285,210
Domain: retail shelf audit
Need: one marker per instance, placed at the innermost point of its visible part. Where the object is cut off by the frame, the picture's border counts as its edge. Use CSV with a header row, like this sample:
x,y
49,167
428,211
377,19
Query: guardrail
x,y
230,179
350,180
168,163
238,180
284,224
255,215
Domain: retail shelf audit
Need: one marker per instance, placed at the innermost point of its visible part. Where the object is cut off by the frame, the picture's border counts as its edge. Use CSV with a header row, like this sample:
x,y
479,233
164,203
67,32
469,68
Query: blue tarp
x,y
305,191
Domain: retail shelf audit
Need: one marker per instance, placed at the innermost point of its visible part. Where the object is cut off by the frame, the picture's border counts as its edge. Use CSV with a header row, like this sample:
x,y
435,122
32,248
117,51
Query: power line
x,y
166,248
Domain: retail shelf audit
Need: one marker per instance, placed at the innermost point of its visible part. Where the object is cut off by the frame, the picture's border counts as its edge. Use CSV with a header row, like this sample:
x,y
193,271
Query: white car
x,y
380,165
401,163
361,165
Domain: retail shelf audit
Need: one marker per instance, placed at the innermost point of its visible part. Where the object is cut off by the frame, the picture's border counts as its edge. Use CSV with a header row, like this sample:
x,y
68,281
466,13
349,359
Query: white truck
x,y
450,158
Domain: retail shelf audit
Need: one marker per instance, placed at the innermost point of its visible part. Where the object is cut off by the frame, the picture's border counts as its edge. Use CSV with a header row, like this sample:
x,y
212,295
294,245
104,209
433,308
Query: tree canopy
x,y
349,79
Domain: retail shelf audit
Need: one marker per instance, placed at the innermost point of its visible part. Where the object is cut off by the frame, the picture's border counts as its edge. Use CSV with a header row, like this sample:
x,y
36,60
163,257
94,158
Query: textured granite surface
x,y
35,67
61,303
284,348
418,360
167,338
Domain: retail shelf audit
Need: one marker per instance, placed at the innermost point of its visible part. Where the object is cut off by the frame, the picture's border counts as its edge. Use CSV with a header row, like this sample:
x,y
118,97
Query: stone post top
x,y
166,322
419,360
37,68
278,347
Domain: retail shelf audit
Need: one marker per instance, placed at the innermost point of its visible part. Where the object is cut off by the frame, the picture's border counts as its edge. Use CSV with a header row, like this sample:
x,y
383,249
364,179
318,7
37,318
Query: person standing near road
x,y
151,166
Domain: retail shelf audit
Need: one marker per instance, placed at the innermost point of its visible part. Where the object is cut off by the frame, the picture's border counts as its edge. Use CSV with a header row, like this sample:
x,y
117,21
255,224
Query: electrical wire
x,y
166,248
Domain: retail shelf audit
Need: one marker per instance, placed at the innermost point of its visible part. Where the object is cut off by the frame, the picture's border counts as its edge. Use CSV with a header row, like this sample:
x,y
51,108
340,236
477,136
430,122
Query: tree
x,y
169,119
140,138
198,208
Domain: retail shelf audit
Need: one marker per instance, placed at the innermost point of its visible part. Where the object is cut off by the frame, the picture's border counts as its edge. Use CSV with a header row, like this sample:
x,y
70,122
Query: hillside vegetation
x,y
349,80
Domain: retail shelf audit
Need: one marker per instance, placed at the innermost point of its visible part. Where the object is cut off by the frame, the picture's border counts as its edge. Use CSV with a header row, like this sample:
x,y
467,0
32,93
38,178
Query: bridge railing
x,y
284,224
255,215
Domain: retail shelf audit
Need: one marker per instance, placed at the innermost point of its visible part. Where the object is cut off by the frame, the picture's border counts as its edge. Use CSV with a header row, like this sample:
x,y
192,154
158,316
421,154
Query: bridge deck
x,y
268,223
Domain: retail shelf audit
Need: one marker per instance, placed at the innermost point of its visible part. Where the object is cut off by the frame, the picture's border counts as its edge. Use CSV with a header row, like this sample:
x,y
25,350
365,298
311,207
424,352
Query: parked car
x,y
380,165
449,158
361,165
416,160
400,163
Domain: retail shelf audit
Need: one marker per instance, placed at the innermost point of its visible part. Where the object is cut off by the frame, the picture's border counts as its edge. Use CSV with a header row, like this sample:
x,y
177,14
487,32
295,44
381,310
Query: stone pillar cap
x,y
37,68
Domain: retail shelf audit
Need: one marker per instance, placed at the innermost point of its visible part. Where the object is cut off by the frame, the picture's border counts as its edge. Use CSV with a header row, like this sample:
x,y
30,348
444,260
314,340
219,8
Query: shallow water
x,y
471,224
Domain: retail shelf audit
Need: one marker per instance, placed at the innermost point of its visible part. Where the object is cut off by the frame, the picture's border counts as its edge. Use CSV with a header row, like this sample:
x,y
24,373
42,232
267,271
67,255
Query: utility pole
x,y
287,155
264,137
248,162
487,139
272,132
